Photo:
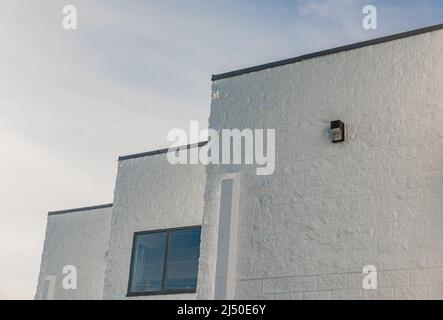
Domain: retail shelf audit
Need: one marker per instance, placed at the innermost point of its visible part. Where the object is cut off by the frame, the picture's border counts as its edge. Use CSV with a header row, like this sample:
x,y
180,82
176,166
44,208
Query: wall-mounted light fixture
x,y
338,131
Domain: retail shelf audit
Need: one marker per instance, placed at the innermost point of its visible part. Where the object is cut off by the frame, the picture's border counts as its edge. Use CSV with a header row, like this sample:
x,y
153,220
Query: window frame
x,y
165,264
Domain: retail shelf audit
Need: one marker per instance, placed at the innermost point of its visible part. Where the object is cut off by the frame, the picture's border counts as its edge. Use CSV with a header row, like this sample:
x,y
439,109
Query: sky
x,y
71,101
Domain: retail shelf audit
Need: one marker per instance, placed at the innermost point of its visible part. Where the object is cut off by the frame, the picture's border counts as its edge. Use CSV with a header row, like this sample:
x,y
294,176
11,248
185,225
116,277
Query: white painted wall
x,y
329,209
150,194
307,231
78,239
227,239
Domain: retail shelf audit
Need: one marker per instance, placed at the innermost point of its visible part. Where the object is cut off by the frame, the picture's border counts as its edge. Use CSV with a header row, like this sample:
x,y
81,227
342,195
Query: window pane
x,y
149,254
183,253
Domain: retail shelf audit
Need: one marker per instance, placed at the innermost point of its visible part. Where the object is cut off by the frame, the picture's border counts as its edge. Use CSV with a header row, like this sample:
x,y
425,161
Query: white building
x,y
308,230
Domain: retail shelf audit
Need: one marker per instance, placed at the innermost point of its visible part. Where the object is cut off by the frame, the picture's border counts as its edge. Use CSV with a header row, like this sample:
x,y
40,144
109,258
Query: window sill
x,y
160,293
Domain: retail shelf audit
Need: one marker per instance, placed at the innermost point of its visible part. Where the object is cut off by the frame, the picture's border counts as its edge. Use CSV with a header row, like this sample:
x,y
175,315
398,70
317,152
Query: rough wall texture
x,y
306,231
150,194
78,239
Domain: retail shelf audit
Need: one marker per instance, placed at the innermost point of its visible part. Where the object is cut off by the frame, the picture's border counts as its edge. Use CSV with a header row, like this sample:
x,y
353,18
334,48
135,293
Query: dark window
x,y
183,253
165,262
148,263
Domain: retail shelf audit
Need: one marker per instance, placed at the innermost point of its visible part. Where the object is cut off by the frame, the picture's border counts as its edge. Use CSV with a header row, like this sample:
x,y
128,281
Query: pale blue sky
x,y
71,102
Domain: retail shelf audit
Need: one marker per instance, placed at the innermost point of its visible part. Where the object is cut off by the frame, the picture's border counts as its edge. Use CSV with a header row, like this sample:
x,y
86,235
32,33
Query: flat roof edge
x,y
162,151
102,206
327,52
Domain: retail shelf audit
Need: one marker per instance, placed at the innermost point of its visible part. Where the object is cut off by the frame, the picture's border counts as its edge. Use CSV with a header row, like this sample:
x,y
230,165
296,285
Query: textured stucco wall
x,y
306,231
150,194
78,239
